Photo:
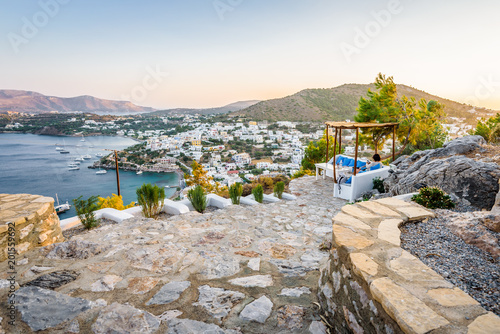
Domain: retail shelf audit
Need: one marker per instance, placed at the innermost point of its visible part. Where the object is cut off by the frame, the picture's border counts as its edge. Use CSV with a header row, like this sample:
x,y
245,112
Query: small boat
x,y
83,138
139,172
73,165
167,186
100,155
59,148
101,171
79,159
74,168
64,151
60,208
87,156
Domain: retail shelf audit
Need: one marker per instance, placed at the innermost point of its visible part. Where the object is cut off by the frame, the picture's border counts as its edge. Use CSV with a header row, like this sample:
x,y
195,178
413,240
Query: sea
x,y
31,164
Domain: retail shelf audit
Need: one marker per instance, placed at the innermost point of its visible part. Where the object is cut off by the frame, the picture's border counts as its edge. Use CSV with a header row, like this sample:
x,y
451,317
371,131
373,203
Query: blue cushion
x,y
377,166
361,164
349,180
339,159
349,163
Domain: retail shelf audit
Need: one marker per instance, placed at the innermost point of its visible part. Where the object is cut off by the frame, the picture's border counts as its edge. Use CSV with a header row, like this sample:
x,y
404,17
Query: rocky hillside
x,y
32,102
340,103
236,106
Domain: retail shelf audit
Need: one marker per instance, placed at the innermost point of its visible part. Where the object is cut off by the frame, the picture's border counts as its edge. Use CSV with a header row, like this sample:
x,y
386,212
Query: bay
x,y
30,164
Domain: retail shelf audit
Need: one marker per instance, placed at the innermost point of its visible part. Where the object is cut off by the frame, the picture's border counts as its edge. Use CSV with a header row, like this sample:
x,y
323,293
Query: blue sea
x,y
30,164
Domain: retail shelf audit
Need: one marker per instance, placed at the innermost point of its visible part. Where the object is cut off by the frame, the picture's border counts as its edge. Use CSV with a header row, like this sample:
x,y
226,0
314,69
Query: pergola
x,y
339,126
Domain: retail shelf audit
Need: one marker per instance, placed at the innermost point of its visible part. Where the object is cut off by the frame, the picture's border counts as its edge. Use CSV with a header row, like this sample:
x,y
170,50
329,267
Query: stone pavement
x,y
243,269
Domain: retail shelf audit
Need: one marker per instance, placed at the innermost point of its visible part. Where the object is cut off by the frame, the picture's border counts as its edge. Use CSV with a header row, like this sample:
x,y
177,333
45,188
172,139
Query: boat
x,y
167,186
60,208
101,171
87,156
59,148
74,168
83,138
139,172
79,159
72,165
91,146
63,151
100,155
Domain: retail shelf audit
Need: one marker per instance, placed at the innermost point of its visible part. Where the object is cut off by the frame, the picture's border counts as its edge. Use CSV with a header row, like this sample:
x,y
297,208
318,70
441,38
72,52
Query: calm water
x,y
31,164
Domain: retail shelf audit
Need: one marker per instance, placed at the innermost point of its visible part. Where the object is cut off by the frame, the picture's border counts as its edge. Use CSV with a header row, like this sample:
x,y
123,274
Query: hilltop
x,y
33,102
236,106
340,103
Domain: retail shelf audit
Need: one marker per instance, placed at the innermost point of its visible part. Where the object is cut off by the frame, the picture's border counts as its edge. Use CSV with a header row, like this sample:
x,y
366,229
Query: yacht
x,y
139,172
87,156
63,151
101,171
74,168
72,165
59,148
100,155
83,138
60,208
79,159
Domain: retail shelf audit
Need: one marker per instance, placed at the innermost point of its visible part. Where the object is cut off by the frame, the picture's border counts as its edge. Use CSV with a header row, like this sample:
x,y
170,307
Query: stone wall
x,y
35,220
371,285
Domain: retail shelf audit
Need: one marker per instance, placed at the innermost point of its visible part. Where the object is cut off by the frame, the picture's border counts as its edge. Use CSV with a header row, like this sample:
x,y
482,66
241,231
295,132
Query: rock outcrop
x,y
471,181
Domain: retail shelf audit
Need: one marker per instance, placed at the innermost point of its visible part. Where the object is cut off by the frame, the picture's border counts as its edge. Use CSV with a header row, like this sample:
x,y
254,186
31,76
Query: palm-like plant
x,y
198,198
258,193
235,192
151,198
279,188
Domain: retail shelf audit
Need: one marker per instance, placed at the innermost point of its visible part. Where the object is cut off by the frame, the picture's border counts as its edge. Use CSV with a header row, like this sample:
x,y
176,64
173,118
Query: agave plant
x,y
151,198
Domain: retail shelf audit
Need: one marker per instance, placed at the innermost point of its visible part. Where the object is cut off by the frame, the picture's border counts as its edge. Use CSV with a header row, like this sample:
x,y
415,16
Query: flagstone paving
x,y
248,269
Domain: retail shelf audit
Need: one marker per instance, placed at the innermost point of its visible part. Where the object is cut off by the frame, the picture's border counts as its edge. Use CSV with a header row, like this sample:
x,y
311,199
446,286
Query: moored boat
x,y
74,168
139,172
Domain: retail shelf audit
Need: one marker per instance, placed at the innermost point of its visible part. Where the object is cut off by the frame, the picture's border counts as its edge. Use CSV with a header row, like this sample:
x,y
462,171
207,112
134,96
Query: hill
x,y
220,110
340,103
32,102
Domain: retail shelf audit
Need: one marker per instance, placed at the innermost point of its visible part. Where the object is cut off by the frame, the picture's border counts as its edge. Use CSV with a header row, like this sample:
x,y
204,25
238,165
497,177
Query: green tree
x,y
315,152
419,126
489,129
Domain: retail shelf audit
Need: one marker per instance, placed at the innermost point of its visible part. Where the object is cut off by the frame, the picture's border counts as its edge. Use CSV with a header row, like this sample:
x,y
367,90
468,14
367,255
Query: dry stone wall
x,y
371,285
30,219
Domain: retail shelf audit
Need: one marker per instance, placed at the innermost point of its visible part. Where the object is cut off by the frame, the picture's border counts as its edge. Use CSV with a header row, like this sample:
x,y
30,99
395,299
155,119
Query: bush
x,y
258,193
85,209
378,184
235,192
433,198
114,202
198,198
279,188
151,198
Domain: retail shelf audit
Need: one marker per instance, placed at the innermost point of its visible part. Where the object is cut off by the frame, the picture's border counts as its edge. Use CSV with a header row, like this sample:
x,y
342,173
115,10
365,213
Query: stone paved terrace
x,y
248,268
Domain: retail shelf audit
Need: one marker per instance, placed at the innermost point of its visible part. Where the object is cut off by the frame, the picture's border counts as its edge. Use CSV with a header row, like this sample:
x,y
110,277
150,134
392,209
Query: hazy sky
x,y
205,53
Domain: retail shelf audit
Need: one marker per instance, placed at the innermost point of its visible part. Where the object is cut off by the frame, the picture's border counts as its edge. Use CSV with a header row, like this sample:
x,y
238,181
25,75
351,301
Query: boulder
x,y
470,181
118,318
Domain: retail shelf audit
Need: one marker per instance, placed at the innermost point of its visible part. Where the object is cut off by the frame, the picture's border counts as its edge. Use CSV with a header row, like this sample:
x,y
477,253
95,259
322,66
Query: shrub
x,y
433,198
114,202
279,188
151,198
198,198
235,192
378,184
258,193
85,209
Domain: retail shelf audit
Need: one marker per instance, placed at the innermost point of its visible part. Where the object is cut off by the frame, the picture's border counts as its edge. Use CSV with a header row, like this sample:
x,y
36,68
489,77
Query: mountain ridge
x,y
235,106
340,103
34,102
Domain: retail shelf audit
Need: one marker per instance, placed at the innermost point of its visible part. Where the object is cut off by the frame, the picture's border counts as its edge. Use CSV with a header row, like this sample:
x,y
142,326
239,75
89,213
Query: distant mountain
x,y
32,102
340,103
220,110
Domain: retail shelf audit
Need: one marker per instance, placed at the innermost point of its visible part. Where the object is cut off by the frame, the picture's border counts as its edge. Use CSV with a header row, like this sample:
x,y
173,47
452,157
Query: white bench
x,y
359,184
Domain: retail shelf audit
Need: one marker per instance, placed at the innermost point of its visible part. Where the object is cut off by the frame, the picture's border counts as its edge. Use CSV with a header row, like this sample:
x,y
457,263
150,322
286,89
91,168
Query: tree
x,y
315,152
199,177
489,129
418,126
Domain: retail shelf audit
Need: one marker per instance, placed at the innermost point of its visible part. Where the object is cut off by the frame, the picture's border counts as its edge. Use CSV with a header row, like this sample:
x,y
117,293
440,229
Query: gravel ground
x,y
474,271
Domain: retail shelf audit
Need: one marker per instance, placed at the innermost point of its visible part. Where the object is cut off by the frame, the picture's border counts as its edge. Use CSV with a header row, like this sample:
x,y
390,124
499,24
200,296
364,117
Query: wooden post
x,y
340,140
334,157
117,173
356,152
393,141
327,144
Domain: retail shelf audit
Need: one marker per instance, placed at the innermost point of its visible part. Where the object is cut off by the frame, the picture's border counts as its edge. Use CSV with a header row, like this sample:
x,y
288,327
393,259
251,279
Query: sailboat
x,y
83,138
60,208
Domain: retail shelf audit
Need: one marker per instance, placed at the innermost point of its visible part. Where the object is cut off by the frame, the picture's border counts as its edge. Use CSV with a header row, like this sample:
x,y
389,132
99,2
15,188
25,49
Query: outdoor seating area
x,y
357,177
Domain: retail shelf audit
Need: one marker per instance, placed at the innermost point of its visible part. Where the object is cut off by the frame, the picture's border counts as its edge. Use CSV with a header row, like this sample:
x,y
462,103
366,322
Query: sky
x,y
209,53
